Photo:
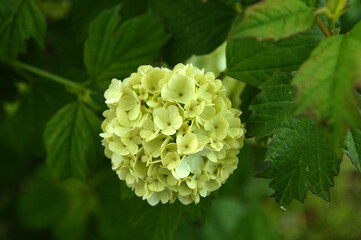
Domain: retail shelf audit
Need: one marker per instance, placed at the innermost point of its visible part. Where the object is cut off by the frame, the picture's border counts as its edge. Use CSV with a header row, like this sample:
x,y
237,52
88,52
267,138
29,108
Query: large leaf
x,y
254,62
274,19
114,49
300,156
86,13
72,142
197,27
326,83
19,21
272,109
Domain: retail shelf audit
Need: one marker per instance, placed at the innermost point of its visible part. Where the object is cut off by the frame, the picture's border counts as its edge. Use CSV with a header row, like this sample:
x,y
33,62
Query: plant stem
x,y
322,26
48,75
222,75
331,26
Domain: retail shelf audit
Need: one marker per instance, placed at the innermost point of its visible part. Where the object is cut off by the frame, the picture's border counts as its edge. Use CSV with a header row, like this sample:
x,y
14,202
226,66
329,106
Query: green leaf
x,y
274,19
300,156
326,84
254,62
247,96
160,221
352,147
19,21
272,109
197,27
72,142
114,49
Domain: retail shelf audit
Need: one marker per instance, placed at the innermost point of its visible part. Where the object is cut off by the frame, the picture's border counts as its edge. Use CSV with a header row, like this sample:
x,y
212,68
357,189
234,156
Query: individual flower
x,y
150,81
149,130
171,134
114,92
187,144
167,119
193,108
180,88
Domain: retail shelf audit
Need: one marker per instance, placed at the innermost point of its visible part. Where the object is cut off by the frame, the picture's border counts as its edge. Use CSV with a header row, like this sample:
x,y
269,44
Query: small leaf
x,y
254,62
19,21
197,27
326,84
274,19
352,146
300,156
115,49
72,142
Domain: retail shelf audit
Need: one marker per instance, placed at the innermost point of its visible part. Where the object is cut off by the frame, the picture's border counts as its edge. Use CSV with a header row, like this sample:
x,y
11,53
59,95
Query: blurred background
x,y
33,205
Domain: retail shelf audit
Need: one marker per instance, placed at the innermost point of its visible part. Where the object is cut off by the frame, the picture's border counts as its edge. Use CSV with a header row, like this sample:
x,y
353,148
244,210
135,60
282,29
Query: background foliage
x,y
58,56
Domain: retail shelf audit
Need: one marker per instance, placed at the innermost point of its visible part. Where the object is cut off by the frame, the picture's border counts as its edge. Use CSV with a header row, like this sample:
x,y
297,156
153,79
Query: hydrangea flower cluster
x,y
171,133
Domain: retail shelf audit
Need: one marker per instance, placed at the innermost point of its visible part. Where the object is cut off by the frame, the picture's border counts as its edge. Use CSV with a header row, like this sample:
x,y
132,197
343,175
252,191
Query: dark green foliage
x,y
254,62
194,30
301,157
19,21
114,49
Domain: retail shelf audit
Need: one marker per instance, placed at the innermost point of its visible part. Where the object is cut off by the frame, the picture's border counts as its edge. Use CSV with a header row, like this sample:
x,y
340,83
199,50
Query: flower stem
x,y
322,26
222,75
73,87
50,76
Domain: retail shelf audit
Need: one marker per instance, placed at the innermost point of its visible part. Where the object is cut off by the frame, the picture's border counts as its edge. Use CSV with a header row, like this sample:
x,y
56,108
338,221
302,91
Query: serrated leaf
x,y
197,27
160,221
254,62
114,49
272,108
274,19
20,21
300,156
326,83
301,159
72,142
352,147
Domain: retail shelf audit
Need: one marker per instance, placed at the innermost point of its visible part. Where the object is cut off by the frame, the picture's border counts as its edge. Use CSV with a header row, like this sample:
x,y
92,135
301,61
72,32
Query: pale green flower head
x,y
171,134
